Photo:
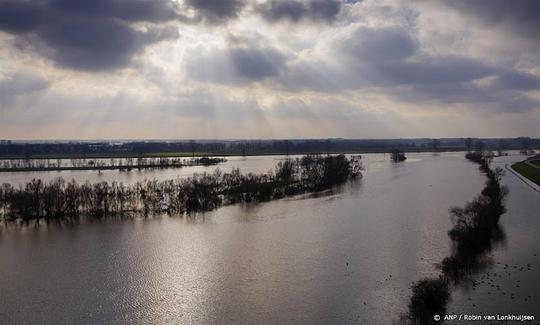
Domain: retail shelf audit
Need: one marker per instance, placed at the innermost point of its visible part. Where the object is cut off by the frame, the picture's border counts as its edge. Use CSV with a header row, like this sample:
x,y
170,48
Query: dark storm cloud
x,y
236,65
516,80
21,16
130,10
86,35
435,70
521,17
87,45
296,10
256,64
216,11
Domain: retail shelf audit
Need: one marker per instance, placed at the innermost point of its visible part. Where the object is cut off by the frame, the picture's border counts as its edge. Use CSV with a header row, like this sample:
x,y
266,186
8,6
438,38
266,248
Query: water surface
x,y
346,256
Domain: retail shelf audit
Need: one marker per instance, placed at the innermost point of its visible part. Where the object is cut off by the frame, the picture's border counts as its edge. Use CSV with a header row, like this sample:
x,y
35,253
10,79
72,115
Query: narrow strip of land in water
x,y
60,200
122,167
32,165
475,233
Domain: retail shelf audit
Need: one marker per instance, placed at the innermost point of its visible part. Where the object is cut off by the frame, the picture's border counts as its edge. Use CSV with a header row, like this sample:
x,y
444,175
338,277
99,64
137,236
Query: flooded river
x,y
346,256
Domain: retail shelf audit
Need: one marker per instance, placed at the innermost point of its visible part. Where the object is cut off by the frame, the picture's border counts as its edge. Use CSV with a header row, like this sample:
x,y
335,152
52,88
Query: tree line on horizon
x,y
248,147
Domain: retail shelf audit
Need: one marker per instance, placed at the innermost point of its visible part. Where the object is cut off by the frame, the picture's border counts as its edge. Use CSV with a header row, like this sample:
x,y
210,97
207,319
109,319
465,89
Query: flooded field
x,y
338,257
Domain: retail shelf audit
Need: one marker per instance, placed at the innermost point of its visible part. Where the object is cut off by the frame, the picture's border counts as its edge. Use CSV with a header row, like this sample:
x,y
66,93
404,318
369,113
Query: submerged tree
x,y
397,155
429,297
59,200
474,233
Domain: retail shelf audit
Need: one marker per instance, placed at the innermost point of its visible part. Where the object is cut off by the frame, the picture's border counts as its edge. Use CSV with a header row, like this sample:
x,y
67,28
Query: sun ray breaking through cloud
x,y
266,68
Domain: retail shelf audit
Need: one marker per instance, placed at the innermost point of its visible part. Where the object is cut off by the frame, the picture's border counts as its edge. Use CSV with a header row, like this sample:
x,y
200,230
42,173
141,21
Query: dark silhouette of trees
x,y
502,146
18,165
285,171
476,225
468,144
525,143
479,145
141,149
429,297
474,233
435,144
397,155
320,172
60,200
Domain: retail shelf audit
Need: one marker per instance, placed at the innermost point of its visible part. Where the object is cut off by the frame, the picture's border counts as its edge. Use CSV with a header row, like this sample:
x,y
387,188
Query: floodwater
x,y
346,256
510,285
256,164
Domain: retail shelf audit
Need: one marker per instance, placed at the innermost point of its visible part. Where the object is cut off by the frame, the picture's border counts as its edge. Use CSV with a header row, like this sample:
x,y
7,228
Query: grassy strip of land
x,y
528,171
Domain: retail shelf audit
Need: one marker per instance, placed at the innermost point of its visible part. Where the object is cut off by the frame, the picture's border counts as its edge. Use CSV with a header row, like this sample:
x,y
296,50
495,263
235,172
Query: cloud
x,y
21,16
474,97
85,45
522,17
263,68
87,35
384,57
256,64
391,56
14,86
390,60
380,45
129,10
235,65
516,80
296,10
437,70
217,11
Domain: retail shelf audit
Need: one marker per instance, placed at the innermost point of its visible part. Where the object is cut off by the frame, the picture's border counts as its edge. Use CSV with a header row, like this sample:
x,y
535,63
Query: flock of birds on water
x,y
490,278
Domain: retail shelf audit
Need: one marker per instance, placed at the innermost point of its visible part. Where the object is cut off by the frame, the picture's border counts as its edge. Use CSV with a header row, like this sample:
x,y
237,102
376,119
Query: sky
x,y
209,69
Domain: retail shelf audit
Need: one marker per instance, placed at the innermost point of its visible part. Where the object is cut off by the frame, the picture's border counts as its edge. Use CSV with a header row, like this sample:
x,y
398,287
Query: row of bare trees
x,y
474,233
113,163
61,200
